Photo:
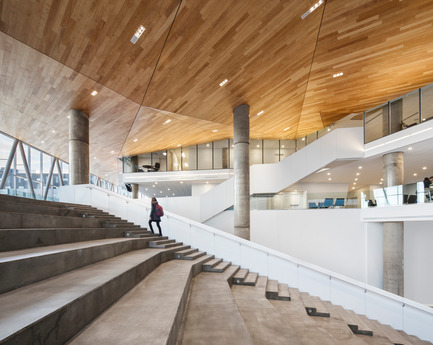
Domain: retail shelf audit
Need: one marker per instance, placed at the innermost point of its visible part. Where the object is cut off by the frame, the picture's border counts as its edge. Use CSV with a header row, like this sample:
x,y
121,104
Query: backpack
x,y
159,211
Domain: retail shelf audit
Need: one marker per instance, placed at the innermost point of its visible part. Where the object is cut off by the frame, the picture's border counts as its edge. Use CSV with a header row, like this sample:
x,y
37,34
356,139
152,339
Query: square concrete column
x,y
78,147
241,128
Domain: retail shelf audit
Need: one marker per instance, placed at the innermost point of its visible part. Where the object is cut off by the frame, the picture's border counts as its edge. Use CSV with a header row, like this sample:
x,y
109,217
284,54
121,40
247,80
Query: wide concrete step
x,y
240,276
216,266
16,239
212,316
264,322
151,313
313,306
193,256
54,310
181,253
22,207
16,220
24,267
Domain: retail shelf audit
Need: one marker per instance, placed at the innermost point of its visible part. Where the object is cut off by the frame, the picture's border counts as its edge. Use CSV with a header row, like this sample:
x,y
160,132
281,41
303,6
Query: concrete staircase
x,y
74,274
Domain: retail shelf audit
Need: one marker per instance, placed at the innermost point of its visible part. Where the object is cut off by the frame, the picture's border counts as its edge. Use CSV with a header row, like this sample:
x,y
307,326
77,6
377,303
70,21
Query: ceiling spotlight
x,y
356,179
111,151
137,34
53,131
286,129
215,130
357,174
313,8
424,168
178,145
336,75
353,187
409,148
135,140
328,173
329,179
94,93
415,174
225,81
360,167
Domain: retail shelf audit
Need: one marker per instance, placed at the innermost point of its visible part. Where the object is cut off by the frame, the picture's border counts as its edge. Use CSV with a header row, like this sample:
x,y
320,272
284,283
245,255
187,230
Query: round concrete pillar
x,y
134,187
241,127
78,147
393,232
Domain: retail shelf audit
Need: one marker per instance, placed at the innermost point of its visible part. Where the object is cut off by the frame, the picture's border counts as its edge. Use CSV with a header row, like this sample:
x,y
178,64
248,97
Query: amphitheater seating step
x,y
179,254
23,267
193,256
221,267
151,313
240,276
55,309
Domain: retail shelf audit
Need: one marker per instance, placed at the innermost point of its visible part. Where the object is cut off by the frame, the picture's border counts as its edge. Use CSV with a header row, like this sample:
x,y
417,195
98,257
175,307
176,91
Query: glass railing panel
x,y
376,123
413,193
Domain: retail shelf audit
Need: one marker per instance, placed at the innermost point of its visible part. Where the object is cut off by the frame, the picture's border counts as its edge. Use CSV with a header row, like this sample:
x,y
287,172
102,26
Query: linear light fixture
x,y
312,9
168,121
286,129
94,93
225,81
137,34
336,75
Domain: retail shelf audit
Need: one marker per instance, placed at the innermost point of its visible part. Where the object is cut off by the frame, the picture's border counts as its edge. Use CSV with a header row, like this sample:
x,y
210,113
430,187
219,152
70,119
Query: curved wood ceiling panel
x,y
54,53
93,37
384,49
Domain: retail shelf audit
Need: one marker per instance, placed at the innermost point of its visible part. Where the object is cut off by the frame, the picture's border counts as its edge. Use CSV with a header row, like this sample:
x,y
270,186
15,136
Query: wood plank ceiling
x,y
55,53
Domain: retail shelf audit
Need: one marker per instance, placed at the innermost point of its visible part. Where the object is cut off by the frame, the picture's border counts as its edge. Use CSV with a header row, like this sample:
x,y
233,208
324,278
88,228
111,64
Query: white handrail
x,y
377,304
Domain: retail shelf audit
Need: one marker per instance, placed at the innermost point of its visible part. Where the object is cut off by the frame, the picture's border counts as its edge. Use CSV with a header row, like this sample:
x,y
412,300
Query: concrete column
x,y
134,187
241,128
78,147
393,233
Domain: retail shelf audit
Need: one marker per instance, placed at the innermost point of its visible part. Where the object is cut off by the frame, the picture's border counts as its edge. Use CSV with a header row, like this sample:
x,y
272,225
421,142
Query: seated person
x,y
427,182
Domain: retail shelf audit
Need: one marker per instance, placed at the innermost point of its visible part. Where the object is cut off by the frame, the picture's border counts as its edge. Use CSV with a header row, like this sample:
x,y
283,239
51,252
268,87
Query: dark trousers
x,y
157,224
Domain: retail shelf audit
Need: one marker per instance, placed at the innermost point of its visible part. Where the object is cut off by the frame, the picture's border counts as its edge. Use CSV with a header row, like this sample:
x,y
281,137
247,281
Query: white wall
x,y
225,221
418,259
333,239
198,189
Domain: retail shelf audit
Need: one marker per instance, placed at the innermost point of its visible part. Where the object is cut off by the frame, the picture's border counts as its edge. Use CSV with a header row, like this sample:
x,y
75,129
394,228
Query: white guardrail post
x,y
377,304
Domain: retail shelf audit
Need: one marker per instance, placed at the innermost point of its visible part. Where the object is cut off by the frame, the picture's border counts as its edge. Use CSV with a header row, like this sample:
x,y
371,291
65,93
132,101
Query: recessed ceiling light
x,y
360,167
207,145
328,173
381,179
225,81
137,34
146,188
286,129
409,148
354,182
178,145
174,194
329,179
168,121
303,139
168,188
424,168
160,191
69,116
381,183
181,181
53,131
43,142
258,145
313,8
183,154
353,187
356,179
329,129
357,174
164,153
156,182
135,140
94,157
415,174
111,151
153,186
336,75
94,93
185,165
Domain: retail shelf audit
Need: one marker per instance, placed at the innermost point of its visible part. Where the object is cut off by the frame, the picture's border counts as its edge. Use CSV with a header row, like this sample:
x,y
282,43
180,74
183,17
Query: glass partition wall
x,y
216,155
399,114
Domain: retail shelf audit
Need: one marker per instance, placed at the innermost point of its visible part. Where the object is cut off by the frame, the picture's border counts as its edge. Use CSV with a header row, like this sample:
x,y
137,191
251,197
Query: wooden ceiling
x,y
54,53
